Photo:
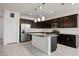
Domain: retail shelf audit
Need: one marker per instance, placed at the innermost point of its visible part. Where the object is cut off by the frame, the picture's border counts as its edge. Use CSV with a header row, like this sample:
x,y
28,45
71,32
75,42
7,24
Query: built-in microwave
x,y
54,25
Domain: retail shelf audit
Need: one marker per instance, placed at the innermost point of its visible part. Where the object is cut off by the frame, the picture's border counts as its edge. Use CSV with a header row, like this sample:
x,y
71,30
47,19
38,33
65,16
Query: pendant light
x,y
39,19
43,18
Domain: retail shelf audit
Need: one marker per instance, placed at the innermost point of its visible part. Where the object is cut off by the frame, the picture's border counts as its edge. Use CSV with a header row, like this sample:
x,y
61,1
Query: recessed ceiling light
x,y
31,13
62,3
35,8
51,12
73,3
43,3
40,7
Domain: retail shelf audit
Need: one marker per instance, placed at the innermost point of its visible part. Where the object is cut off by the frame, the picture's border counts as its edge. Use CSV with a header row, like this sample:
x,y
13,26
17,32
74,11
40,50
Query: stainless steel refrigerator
x,y
24,32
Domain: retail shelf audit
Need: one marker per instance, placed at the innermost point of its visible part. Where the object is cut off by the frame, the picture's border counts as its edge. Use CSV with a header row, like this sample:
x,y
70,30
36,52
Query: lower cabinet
x,y
69,40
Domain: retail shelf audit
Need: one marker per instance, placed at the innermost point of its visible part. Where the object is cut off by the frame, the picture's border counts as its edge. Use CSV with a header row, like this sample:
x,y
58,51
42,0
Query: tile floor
x,y
26,49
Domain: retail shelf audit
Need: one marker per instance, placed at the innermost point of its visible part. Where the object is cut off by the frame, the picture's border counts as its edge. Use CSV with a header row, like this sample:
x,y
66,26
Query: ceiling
x,y
27,9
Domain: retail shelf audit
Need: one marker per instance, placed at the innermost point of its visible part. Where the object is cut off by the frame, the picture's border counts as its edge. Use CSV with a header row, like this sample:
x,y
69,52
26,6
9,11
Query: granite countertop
x,y
43,34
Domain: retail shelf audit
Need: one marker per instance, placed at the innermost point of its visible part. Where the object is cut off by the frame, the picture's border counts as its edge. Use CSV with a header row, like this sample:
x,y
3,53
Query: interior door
x,y
12,31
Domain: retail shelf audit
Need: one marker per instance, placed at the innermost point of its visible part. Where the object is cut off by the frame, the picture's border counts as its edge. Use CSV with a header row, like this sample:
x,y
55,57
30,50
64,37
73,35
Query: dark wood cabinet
x,y
67,21
44,24
64,22
62,39
69,40
70,21
38,25
61,22
54,23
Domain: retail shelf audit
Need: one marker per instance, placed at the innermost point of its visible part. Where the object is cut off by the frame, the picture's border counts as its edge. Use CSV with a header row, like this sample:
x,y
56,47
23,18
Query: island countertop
x,y
43,34
44,42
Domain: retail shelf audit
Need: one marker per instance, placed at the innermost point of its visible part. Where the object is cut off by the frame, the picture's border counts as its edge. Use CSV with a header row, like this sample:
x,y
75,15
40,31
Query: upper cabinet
x,y
70,21
44,24
66,22
54,23
61,22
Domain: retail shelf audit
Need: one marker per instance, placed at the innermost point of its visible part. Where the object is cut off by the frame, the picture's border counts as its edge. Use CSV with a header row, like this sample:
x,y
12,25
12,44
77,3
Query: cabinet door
x,y
70,21
59,39
71,41
60,22
54,23
42,25
62,39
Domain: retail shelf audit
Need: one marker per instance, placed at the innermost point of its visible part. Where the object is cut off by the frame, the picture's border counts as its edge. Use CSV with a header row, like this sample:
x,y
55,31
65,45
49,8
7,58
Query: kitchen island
x,y
45,42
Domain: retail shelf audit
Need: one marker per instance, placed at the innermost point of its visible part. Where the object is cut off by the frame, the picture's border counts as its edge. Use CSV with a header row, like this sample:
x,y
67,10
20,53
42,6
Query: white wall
x,y
11,27
1,27
64,14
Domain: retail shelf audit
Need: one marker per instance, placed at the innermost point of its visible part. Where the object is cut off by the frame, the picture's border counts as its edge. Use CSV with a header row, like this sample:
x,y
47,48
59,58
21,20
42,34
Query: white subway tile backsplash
x,y
73,31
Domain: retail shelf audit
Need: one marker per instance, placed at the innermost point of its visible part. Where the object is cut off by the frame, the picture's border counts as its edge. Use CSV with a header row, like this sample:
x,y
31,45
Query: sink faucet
x,y
56,31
